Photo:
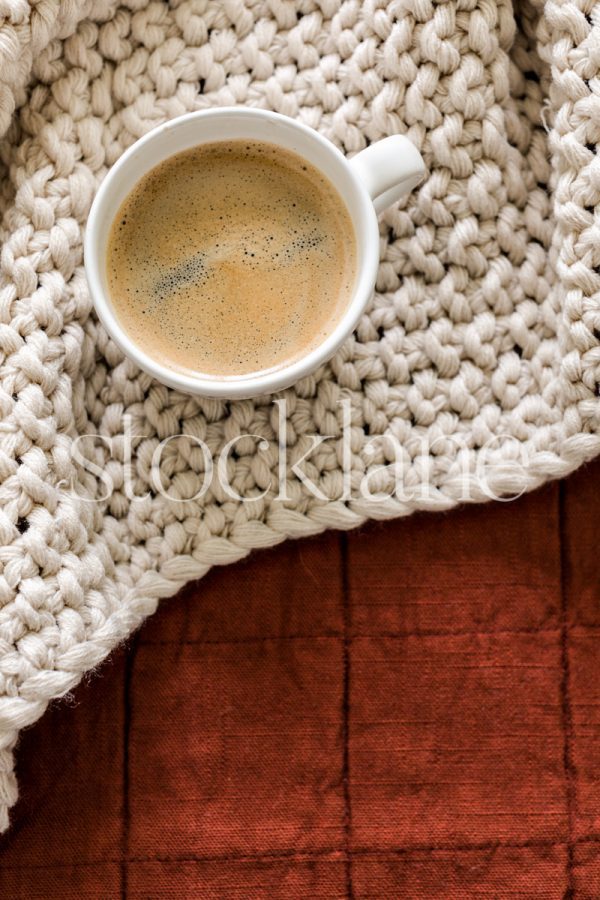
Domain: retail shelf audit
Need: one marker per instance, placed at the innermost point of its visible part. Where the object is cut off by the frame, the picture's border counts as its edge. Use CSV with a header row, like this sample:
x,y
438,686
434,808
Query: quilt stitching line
x,y
566,707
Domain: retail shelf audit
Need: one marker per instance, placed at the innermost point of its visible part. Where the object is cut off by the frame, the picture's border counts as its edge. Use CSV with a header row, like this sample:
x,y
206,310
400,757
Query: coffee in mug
x,y
231,258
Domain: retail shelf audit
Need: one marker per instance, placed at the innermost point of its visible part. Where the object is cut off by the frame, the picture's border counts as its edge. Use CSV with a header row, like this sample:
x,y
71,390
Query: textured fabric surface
x,y
482,335
406,711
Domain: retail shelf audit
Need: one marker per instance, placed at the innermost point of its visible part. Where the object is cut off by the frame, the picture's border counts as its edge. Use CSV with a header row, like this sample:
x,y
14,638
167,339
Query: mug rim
x,y
231,387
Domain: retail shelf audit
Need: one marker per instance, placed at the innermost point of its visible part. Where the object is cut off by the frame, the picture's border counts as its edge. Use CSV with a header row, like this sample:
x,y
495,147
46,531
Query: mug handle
x,y
389,169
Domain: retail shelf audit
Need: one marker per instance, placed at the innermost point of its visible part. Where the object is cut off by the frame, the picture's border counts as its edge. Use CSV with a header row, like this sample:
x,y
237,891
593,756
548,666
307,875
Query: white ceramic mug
x,y
368,183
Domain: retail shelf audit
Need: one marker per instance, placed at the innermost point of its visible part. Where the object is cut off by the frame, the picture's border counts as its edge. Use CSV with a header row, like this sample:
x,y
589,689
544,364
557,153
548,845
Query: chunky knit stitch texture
x,y
484,330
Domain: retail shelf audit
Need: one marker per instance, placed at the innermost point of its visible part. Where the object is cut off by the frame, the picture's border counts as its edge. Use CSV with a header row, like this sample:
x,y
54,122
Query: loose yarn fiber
x,y
484,331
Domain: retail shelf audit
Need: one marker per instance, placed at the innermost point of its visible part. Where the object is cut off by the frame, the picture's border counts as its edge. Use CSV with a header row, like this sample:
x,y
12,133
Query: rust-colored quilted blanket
x,y
408,711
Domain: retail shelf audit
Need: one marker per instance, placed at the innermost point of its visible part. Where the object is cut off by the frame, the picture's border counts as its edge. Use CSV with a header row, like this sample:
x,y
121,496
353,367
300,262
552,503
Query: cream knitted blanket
x,y
474,373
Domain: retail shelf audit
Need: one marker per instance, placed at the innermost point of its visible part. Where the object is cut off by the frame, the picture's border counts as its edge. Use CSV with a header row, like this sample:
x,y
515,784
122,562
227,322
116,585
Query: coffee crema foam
x,y
231,258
